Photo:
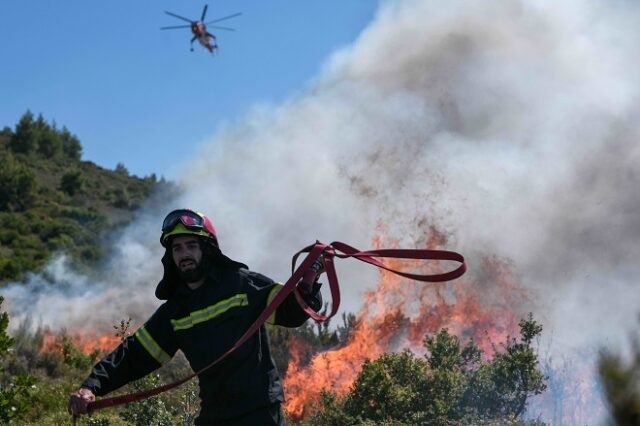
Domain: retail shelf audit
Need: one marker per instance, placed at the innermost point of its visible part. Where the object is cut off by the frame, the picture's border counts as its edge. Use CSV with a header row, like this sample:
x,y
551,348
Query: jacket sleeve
x,y
289,313
152,345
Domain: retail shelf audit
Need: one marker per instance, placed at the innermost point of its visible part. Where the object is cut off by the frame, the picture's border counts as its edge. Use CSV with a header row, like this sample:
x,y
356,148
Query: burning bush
x,y
450,385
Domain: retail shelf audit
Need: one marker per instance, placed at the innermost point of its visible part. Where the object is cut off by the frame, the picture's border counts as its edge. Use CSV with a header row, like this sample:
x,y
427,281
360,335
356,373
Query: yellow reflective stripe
x,y
151,346
210,312
276,288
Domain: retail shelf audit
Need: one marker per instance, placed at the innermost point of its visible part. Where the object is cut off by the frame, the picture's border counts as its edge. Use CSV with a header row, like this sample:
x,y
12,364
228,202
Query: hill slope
x,y
51,200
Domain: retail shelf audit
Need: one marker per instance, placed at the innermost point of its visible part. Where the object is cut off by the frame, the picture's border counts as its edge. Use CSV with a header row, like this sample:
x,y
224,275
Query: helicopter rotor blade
x,y
178,16
221,28
175,27
223,18
204,12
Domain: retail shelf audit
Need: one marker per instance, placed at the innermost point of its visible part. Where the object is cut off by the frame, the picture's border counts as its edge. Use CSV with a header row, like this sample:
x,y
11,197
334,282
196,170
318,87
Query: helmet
x,y
187,222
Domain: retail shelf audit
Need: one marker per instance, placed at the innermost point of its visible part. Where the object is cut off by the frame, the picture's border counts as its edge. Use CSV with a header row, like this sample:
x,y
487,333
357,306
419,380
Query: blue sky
x,y
136,95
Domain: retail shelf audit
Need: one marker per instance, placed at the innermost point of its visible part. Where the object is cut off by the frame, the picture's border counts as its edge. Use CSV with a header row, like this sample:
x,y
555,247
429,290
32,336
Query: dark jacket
x,y
204,323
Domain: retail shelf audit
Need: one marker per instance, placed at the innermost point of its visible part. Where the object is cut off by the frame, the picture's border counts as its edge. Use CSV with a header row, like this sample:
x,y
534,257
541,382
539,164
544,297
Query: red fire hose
x,y
328,253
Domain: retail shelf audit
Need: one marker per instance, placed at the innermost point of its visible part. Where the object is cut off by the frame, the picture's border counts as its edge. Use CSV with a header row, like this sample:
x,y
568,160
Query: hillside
x,y
51,200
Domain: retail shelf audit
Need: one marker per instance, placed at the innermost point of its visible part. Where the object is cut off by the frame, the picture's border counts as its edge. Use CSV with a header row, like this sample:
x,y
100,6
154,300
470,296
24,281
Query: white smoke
x,y
511,125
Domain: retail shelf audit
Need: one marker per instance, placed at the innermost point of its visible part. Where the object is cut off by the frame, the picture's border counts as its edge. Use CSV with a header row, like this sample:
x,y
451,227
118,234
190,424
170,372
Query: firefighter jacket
x,y
204,323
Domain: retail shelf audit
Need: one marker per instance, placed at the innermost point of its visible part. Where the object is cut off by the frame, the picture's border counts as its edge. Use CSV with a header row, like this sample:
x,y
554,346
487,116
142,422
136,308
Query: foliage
x,y
14,391
452,385
51,201
150,411
39,138
121,169
120,198
72,182
17,184
23,139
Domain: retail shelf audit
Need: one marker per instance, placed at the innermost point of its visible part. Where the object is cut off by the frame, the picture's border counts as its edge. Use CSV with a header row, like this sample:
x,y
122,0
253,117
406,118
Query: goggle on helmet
x,y
187,222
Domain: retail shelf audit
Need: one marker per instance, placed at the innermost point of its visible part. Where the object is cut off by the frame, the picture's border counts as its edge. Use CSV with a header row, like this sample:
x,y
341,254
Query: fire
x,y
86,343
399,313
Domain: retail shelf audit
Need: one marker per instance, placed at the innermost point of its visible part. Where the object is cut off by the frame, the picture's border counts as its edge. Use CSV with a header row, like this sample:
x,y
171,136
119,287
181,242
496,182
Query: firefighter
x,y
209,302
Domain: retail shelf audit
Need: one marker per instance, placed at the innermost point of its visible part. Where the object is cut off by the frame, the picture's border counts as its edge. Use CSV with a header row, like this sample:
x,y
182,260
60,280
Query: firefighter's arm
x,y
138,355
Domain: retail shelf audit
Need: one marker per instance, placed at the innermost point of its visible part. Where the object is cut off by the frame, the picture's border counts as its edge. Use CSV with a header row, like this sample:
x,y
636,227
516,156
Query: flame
x,y
399,313
85,342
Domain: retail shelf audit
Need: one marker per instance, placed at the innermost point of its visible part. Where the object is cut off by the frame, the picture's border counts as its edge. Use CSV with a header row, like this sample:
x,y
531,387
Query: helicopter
x,y
199,29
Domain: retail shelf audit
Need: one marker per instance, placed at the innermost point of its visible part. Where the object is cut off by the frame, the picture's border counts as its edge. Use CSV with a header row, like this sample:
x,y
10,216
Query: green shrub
x,y
120,198
450,386
72,182
150,411
15,391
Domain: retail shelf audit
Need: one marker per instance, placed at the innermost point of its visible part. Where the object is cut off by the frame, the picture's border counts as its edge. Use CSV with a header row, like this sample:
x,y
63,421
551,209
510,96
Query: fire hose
x,y
326,253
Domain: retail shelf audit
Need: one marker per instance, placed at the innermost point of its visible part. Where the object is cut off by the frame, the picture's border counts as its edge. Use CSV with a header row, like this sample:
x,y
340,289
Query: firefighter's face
x,y
186,253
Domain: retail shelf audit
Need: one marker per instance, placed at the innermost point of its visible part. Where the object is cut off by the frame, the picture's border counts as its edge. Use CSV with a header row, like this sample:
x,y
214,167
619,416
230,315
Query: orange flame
x,y
399,313
87,343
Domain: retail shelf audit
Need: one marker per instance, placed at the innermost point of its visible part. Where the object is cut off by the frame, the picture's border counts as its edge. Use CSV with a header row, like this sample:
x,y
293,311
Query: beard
x,y
195,274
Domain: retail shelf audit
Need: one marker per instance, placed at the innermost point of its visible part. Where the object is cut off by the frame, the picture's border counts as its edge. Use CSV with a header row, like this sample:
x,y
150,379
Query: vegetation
x,y
452,385
51,201
61,368
15,389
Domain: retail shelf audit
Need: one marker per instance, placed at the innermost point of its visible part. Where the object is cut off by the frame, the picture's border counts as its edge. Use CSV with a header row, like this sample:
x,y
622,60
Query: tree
x,y
17,184
121,169
451,385
47,138
71,147
23,141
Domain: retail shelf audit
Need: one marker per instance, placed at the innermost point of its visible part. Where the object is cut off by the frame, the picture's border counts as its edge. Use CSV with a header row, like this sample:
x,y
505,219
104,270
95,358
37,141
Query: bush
x,y
16,390
120,198
72,182
150,411
450,386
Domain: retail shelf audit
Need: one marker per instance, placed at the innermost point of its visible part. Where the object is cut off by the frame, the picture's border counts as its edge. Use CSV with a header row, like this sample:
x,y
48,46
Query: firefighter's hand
x,y
79,400
311,276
